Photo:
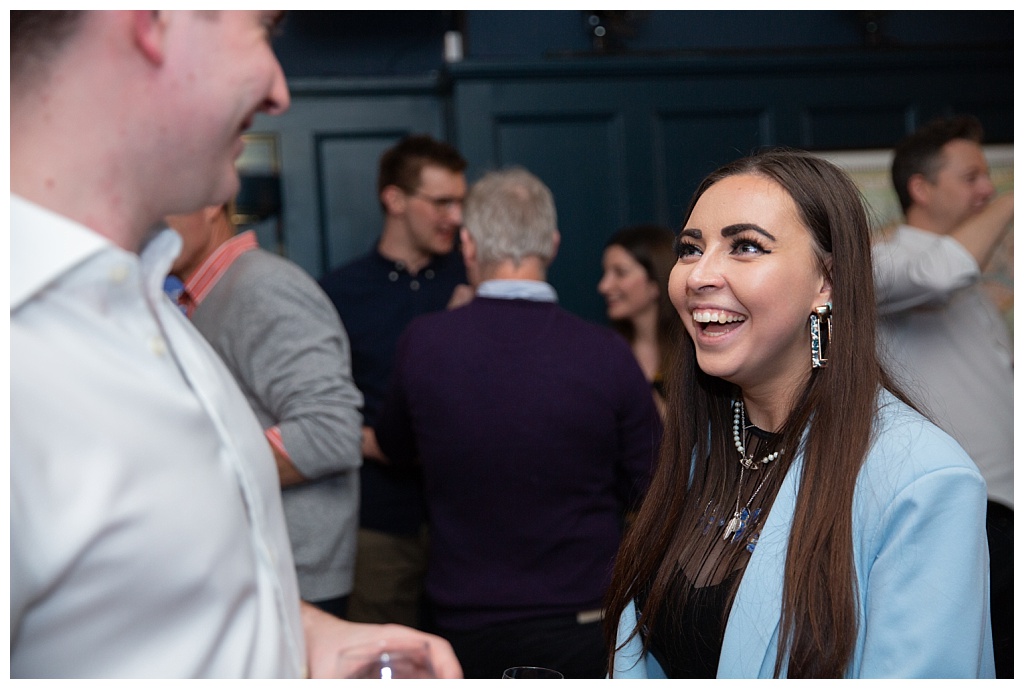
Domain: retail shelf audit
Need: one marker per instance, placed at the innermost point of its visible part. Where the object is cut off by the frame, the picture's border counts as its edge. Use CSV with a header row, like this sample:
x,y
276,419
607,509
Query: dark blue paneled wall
x,y
620,128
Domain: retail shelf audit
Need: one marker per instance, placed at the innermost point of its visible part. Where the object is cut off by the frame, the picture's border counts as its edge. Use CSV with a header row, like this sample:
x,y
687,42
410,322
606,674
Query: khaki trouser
x,y
388,584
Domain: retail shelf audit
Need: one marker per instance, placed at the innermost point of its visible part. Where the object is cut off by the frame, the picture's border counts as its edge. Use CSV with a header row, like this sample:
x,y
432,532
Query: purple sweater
x,y
536,431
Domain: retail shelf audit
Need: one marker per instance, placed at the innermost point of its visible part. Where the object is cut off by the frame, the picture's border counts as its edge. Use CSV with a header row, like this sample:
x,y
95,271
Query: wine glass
x,y
386,660
530,672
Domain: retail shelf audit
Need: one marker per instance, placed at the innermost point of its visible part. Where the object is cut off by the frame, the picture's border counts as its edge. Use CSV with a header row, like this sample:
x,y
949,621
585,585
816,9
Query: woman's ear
x,y
826,282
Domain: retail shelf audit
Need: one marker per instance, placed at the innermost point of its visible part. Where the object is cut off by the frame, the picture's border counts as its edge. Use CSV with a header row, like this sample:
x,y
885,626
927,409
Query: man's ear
x,y
919,189
210,213
467,245
556,241
393,199
149,30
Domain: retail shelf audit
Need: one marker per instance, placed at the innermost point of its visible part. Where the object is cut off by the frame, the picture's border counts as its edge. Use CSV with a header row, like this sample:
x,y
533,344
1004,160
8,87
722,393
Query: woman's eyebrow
x,y
732,230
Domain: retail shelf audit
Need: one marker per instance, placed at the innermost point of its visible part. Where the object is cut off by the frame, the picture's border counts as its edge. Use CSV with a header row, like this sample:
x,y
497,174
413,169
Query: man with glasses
x,y
411,271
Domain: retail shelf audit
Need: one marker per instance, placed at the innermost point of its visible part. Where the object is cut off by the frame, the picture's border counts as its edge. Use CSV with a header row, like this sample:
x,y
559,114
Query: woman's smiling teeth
x,y
722,317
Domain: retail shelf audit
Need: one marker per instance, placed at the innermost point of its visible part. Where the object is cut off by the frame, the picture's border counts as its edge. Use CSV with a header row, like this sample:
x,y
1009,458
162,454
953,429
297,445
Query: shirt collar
x,y
216,264
44,246
157,257
531,290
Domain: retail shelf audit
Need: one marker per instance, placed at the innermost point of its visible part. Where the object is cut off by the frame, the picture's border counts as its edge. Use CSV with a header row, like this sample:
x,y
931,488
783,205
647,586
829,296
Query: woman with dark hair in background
x,y
637,262
803,520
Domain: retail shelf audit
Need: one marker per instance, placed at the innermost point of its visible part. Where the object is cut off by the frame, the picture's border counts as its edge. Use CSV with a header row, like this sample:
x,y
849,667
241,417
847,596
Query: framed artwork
x,y
871,171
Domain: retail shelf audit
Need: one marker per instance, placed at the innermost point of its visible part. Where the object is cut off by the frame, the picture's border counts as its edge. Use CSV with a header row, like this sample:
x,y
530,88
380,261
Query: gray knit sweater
x,y
281,338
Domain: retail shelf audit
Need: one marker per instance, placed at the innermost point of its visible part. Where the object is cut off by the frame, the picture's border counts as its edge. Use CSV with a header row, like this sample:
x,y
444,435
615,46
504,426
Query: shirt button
x,y
414,285
393,275
119,273
157,344
428,274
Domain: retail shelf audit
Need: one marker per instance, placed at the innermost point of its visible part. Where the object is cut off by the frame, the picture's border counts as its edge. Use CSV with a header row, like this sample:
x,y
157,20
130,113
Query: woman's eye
x,y
747,246
685,249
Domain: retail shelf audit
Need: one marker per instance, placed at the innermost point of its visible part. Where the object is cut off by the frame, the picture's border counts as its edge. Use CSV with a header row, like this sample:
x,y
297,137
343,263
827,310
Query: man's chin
x,y
227,190
442,248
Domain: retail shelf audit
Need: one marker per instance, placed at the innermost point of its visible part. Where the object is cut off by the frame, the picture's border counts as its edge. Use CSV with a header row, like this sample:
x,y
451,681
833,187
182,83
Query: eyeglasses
x,y
441,203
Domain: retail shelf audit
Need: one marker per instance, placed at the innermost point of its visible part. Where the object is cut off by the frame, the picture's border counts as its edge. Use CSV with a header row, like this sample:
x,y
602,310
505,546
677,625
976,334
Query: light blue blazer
x,y
921,559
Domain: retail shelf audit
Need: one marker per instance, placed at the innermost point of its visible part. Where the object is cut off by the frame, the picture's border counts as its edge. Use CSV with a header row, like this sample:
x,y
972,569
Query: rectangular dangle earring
x,y
821,337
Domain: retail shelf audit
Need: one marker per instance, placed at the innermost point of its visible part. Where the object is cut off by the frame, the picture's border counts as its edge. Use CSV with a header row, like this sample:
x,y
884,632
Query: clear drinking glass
x,y
395,660
529,672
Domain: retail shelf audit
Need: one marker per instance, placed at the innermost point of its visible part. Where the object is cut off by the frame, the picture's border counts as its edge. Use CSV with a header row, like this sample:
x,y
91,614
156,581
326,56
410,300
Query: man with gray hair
x,y
536,432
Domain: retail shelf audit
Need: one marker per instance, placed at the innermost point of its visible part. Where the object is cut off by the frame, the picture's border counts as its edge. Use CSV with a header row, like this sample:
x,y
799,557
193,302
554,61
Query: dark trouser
x,y
557,643
1000,550
335,606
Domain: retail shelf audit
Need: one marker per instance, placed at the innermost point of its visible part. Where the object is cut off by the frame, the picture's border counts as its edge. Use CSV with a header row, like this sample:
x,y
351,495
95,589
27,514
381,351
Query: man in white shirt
x,y
941,335
147,535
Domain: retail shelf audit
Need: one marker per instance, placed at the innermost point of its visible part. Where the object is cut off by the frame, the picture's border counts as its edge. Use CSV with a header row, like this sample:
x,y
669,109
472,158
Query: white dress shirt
x,y
147,536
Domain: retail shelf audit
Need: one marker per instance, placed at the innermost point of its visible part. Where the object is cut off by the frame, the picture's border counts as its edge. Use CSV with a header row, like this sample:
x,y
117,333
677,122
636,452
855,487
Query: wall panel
x,y
350,217
853,126
579,156
690,144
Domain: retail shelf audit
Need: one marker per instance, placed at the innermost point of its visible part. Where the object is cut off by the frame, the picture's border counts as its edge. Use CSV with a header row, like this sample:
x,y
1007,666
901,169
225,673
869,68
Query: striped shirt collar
x,y
216,264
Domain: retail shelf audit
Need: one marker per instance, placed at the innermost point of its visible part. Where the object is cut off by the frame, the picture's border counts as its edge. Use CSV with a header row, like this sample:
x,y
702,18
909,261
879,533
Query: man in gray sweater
x,y
283,342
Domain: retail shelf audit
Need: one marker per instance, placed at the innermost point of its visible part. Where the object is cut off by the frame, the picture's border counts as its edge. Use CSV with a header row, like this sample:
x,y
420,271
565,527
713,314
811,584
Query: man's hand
x,y
461,295
371,450
327,636
981,233
287,474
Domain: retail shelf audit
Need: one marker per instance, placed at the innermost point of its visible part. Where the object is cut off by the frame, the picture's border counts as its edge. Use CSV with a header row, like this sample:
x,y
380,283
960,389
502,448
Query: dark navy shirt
x,y
376,299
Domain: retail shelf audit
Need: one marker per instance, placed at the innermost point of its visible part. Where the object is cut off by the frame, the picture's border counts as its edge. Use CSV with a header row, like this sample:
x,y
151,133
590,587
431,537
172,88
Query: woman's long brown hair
x,y
836,409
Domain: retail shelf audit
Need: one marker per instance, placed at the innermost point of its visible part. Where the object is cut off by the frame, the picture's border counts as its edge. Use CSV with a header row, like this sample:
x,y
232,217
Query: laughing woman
x,y
636,264
804,520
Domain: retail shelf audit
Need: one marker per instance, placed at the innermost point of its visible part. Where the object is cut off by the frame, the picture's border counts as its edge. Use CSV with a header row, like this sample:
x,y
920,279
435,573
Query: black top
x,y
687,635
687,640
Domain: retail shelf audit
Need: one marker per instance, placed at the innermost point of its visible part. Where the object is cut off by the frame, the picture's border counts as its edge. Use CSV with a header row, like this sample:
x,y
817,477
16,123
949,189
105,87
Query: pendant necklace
x,y
735,526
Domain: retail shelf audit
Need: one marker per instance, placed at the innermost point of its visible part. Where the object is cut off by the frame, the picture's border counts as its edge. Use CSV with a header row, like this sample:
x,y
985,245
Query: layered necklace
x,y
735,526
